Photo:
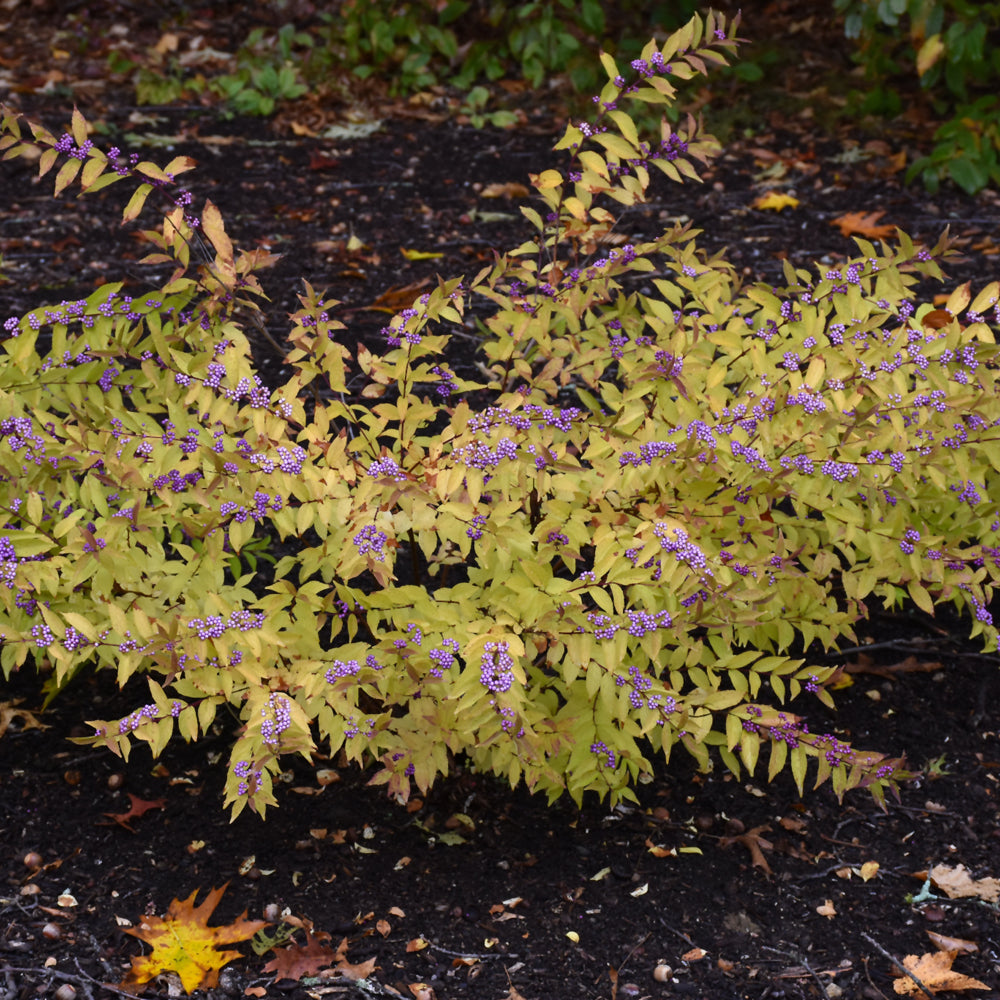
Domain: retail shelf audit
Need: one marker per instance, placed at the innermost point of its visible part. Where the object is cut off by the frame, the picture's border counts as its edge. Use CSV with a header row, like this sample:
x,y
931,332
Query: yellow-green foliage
x,y
663,485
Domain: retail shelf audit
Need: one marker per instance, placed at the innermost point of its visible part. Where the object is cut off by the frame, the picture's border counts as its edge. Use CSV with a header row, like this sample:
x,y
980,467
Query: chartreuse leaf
x,y
597,543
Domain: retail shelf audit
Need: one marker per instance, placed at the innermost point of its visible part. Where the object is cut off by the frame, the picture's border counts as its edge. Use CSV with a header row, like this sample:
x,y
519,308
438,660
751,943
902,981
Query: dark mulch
x,y
748,891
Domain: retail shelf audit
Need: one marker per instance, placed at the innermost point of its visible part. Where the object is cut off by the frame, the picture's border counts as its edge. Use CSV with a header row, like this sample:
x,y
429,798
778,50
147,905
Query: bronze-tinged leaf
x,y
398,297
936,319
295,960
755,844
183,942
214,228
360,971
944,943
863,224
137,808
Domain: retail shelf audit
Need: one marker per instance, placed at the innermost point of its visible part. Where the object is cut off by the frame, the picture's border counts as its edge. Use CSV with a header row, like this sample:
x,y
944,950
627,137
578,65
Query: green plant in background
x,y
936,767
474,107
266,72
966,150
462,42
666,494
951,46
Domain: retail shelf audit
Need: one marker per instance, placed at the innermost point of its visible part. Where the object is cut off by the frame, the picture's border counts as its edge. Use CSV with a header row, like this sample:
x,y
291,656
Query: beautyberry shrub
x,y
665,487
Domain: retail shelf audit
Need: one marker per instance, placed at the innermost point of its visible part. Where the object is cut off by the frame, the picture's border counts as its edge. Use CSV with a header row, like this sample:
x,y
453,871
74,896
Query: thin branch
x,y
469,954
805,965
899,965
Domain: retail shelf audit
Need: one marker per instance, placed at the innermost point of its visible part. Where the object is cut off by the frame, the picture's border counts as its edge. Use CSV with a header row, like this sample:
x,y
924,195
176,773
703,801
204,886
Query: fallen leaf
x,y
318,160
419,254
944,943
355,972
398,297
509,190
827,910
137,809
755,844
791,824
694,955
8,713
957,883
416,944
869,870
866,665
773,201
183,942
293,961
934,971
863,224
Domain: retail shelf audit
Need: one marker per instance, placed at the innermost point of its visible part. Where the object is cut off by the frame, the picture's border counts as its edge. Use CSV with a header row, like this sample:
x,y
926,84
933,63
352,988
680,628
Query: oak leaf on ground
x,y
934,971
183,942
294,961
755,844
137,808
863,224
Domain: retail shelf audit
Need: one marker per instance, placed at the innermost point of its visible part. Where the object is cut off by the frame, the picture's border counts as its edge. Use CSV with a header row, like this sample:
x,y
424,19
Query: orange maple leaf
x,y
184,943
934,971
864,224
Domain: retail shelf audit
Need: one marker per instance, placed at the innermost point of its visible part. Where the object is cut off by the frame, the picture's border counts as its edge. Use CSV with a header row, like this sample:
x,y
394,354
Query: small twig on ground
x,y
871,982
79,981
635,948
899,965
795,957
680,934
826,871
468,954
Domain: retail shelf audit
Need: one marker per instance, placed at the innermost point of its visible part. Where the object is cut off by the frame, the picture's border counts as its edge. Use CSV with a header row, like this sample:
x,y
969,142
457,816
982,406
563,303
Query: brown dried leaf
x,y
863,224
355,972
755,844
294,961
8,713
944,943
137,809
957,883
398,297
